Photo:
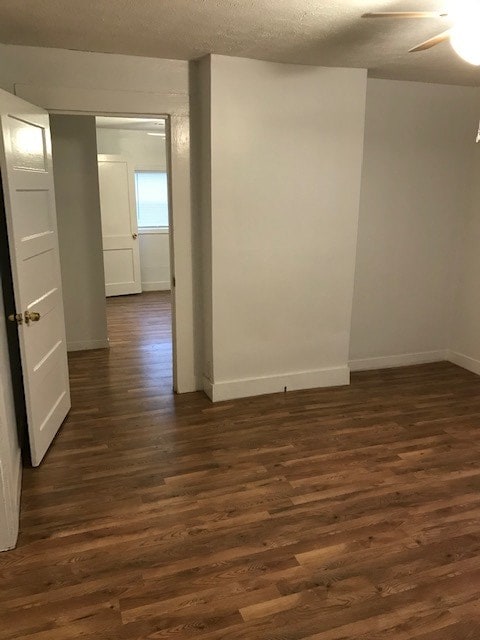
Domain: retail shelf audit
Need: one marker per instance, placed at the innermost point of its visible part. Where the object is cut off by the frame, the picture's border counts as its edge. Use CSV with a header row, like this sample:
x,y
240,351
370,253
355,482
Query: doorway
x,y
134,182
140,333
134,201
111,260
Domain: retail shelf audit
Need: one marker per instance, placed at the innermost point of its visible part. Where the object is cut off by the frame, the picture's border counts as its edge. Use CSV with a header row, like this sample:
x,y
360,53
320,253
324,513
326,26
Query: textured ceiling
x,y
319,32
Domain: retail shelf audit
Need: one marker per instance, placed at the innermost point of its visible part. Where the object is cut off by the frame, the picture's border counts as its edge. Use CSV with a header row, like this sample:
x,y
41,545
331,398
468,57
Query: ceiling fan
x,y
464,32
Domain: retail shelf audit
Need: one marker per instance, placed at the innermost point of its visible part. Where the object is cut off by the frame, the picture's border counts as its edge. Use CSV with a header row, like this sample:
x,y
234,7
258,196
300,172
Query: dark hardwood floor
x,y
333,514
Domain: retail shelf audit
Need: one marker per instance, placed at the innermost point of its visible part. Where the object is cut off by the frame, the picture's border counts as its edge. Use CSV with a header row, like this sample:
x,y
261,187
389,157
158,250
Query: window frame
x,y
152,168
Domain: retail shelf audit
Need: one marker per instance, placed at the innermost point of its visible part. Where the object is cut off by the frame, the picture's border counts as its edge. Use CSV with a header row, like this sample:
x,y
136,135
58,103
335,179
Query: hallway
x,y
136,372
140,334
334,513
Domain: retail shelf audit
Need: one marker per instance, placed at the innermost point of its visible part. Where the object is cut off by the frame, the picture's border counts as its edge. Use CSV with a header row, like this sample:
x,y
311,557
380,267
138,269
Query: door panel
x,y
32,229
41,222
119,263
121,255
28,145
114,197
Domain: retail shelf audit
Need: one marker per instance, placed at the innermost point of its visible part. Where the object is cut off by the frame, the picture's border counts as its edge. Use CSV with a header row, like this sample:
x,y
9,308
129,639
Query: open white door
x,y
121,254
27,175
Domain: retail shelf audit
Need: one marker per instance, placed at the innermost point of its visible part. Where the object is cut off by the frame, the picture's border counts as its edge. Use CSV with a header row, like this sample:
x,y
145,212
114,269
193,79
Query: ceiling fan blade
x,y
431,42
405,14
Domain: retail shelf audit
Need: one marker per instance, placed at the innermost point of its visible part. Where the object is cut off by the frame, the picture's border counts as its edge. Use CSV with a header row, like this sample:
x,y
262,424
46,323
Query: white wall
x,y
465,334
419,140
271,124
10,464
286,155
64,81
99,72
79,230
143,151
201,138
155,260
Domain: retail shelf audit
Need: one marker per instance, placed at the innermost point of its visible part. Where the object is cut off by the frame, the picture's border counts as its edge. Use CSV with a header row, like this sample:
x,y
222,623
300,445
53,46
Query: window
x,y
152,199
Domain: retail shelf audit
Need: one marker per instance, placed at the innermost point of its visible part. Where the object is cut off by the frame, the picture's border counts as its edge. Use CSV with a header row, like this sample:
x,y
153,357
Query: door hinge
x,y
173,282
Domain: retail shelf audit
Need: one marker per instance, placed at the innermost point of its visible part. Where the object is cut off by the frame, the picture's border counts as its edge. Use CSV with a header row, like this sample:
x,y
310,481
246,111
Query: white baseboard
x,y
85,345
464,361
231,389
402,360
161,285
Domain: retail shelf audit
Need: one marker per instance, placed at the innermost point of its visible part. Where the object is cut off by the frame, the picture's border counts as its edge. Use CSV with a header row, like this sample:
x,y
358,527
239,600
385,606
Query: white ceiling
x,y
155,125
319,32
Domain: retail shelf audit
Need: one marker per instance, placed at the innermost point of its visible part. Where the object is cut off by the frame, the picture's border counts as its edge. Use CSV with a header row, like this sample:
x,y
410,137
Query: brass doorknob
x,y
134,236
31,316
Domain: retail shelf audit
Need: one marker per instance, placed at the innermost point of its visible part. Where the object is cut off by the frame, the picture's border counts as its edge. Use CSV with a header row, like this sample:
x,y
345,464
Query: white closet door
x,y
121,255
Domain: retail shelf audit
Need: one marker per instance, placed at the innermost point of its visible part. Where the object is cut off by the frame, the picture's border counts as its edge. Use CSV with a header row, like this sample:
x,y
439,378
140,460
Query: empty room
x,y
239,322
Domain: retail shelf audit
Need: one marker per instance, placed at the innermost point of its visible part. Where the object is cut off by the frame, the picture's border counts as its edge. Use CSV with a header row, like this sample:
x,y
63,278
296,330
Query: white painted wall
x,y
271,124
201,138
10,463
78,82
286,157
140,148
62,68
415,189
155,260
143,151
465,334
79,230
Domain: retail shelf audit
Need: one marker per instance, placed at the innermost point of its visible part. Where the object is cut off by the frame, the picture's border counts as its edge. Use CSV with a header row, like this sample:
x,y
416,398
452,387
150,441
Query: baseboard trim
x,y
246,388
464,361
402,360
163,285
85,345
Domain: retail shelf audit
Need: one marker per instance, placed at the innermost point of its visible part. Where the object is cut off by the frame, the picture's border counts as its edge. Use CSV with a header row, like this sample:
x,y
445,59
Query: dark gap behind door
x,y
12,335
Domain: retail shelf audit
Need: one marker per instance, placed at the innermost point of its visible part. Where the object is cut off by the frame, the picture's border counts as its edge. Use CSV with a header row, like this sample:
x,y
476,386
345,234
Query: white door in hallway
x,y
121,254
27,177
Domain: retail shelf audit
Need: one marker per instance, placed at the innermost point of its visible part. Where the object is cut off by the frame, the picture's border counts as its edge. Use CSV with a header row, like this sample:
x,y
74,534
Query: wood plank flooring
x,y
334,514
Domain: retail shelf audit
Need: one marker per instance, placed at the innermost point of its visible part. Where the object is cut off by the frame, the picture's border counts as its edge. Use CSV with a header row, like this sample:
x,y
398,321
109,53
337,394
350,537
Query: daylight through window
x,y
152,199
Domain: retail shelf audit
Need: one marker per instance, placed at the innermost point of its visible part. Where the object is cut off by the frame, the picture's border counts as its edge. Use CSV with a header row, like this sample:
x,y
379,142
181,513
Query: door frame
x,y
175,111
184,380
175,108
177,388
